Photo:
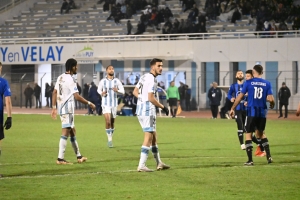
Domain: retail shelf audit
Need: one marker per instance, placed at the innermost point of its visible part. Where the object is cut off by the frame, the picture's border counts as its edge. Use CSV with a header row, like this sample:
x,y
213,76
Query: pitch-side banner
x,y
53,54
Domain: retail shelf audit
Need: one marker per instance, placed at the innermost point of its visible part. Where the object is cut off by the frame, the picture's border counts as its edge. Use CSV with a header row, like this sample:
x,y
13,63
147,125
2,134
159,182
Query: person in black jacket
x,y
28,92
214,95
93,97
77,103
284,94
37,94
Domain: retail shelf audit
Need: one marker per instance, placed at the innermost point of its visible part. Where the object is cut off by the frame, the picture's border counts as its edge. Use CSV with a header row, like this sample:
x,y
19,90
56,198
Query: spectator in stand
x,y
194,13
106,6
202,19
72,4
202,28
267,27
296,23
181,26
65,6
140,28
282,27
129,11
189,4
236,16
129,27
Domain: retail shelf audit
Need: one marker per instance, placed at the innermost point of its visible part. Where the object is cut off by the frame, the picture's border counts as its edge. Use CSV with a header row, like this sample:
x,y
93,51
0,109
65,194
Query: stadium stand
x,y
45,20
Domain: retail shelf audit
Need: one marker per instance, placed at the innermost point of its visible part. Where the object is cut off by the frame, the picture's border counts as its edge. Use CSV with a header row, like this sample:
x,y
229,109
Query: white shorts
x,y
67,120
111,110
148,123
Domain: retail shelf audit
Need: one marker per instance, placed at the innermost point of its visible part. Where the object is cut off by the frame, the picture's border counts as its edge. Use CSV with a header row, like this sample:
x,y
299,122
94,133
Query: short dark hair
x,y
249,71
154,61
108,67
259,69
70,64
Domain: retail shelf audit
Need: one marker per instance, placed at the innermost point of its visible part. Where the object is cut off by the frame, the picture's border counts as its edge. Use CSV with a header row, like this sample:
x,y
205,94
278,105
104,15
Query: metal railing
x,y
155,37
8,4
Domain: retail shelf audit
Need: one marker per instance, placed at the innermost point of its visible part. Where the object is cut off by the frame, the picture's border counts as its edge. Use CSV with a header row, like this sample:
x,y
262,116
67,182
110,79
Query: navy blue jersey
x,y
4,91
234,91
258,89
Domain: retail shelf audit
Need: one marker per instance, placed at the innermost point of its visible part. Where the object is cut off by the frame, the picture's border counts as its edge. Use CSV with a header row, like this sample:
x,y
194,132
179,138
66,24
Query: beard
x,y
240,78
111,74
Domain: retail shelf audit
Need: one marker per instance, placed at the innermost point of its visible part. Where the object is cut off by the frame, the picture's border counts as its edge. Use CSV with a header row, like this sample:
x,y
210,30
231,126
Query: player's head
x,y
257,70
172,83
71,66
249,74
156,66
110,70
239,75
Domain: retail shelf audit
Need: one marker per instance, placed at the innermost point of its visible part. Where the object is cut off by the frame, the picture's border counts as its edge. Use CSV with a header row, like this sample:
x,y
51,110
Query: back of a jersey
x,y
66,87
147,84
258,89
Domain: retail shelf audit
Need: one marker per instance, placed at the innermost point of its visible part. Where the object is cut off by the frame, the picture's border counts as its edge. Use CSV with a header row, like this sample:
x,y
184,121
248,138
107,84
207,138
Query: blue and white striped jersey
x,y
106,84
147,84
66,87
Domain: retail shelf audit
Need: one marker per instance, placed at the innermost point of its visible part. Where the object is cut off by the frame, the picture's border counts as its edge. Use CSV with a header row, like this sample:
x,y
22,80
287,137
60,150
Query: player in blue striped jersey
x,y
240,110
145,91
108,88
259,92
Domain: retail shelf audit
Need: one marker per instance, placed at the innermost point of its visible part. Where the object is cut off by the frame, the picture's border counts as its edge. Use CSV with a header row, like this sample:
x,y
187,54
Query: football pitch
x,y
204,154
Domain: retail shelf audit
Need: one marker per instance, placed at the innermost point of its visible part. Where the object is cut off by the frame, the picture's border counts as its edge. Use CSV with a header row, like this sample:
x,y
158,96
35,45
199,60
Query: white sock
x,y
62,146
109,135
144,156
155,153
75,146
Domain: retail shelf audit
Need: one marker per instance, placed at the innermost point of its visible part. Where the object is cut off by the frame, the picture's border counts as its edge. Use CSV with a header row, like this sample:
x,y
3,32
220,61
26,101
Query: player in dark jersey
x,y
259,91
240,110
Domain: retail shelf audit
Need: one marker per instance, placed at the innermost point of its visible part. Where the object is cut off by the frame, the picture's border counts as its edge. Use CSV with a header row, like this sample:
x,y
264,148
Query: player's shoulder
x,y
3,81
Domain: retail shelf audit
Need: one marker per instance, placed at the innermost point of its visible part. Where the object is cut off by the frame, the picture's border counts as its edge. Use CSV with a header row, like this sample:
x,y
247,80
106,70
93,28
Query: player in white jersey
x,y
145,92
108,88
64,93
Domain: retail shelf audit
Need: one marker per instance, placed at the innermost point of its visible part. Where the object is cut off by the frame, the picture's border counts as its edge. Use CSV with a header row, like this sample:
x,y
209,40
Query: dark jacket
x,y
214,95
93,94
37,91
28,92
283,95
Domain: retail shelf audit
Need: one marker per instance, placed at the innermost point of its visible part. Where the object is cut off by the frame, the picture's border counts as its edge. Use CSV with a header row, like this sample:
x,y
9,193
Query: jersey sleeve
x,y
270,91
100,87
7,92
73,86
245,88
120,87
230,91
150,85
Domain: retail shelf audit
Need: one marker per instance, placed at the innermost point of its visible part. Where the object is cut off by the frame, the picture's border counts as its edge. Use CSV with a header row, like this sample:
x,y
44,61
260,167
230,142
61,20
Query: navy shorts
x,y
255,123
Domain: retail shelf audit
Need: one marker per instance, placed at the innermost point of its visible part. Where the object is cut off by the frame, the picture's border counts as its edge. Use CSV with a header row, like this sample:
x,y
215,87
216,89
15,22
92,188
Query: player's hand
x,y
231,113
245,103
272,104
104,93
232,99
7,123
93,107
298,113
166,110
53,113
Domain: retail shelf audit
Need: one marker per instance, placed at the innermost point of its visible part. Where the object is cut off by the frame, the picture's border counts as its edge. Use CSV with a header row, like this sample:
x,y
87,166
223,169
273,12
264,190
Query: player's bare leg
x,y
265,144
62,147
108,129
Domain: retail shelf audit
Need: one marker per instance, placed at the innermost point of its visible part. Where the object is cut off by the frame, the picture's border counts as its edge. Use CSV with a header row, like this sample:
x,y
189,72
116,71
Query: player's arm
x,y
270,98
298,110
54,111
154,101
236,102
100,89
8,122
136,92
229,94
120,88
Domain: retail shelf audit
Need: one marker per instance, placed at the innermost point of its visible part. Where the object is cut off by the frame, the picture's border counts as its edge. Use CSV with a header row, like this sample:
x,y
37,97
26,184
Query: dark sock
x,y
175,111
254,139
266,146
249,150
171,111
241,136
260,144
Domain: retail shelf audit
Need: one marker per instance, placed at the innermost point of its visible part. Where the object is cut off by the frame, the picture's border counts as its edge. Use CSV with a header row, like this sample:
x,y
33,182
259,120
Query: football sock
x,y
62,146
175,111
112,131
109,135
75,146
156,154
260,144
172,113
241,136
255,140
249,149
144,156
265,144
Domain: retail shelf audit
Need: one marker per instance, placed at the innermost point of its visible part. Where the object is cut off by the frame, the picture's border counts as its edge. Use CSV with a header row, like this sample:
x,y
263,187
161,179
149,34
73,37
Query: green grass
x,y
205,158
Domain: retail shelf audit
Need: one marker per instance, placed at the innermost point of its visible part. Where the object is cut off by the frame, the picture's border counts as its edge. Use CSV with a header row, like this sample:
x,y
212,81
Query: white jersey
x,y
66,87
147,84
107,85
